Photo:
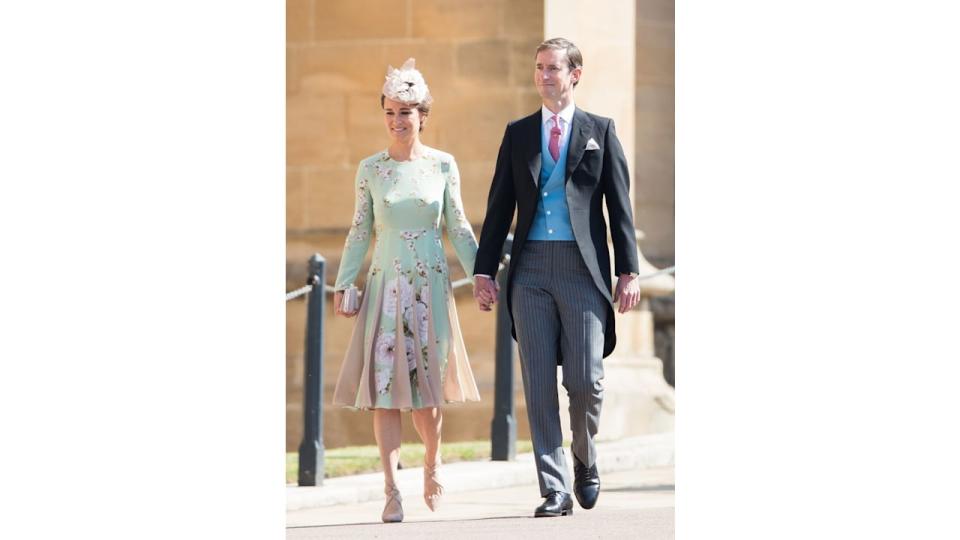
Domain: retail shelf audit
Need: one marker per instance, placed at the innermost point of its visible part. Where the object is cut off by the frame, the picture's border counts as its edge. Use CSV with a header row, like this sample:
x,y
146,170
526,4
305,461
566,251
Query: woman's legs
x,y
386,429
428,423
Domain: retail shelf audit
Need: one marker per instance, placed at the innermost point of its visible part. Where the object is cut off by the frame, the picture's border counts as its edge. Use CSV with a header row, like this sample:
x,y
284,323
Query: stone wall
x,y
604,33
654,129
477,57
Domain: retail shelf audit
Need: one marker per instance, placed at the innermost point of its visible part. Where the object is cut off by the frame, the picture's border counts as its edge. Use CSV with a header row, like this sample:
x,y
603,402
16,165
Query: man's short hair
x,y
574,58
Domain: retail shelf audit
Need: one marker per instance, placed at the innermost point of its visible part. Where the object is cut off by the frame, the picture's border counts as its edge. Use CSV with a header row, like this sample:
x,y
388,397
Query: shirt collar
x,y
566,114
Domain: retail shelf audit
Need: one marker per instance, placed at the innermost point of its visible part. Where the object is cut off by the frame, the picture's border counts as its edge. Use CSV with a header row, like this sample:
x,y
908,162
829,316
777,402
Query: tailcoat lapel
x,y
582,128
533,148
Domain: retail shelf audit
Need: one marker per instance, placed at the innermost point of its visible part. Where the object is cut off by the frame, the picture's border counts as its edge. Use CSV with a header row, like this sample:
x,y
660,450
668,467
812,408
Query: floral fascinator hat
x,y
406,84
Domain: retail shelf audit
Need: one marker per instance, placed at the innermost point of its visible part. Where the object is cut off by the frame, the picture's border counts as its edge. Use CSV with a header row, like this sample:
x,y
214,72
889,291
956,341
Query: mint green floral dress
x,y
406,351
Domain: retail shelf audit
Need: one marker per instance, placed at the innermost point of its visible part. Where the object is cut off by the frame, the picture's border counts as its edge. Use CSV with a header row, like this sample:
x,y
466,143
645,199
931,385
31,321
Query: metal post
x,y
504,426
310,472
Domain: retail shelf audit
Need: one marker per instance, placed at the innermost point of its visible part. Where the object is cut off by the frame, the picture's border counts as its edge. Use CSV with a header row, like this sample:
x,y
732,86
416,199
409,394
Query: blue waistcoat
x,y
552,220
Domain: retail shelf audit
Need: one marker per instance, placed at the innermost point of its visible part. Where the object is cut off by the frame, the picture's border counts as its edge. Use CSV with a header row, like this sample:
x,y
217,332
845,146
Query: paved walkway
x,y
643,452
636,503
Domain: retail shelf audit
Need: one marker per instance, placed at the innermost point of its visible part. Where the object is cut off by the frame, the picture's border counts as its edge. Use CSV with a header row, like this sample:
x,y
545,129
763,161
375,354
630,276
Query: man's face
x,y
553,76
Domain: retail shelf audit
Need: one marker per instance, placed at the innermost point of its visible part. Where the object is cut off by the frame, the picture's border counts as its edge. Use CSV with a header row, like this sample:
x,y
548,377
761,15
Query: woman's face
x,y
402,121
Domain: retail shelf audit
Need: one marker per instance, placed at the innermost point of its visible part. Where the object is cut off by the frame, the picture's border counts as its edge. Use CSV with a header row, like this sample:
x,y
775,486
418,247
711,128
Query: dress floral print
x,y
406,351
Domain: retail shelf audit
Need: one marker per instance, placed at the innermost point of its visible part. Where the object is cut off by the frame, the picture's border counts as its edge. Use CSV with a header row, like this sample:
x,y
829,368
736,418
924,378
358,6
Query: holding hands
x,y
485,292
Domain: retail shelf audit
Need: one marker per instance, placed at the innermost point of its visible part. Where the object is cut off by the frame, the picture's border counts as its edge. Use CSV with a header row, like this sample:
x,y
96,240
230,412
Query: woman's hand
x,y
485,292
337,302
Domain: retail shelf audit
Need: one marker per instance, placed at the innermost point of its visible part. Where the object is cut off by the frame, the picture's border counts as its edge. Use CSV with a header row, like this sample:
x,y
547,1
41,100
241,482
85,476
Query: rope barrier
x,y
299,292
307,288
465,281
455,285
658,272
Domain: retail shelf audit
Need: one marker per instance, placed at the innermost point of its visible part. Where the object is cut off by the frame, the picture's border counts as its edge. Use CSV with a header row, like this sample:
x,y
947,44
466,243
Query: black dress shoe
x,y
586,483
558,503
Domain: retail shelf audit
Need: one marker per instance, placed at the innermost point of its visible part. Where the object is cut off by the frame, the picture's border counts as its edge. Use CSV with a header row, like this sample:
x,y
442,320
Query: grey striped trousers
x,y
559,314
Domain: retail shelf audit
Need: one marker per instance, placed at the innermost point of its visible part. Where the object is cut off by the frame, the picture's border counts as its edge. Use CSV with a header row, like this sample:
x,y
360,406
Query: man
x,y
556,167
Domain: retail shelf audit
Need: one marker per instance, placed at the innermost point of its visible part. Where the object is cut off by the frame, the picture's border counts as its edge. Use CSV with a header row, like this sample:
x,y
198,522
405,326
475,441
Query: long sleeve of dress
x,y
406,350
459,230
358,239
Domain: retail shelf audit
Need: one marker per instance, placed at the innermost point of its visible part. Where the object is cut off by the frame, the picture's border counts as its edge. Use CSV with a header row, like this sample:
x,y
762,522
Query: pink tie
x,y
554,145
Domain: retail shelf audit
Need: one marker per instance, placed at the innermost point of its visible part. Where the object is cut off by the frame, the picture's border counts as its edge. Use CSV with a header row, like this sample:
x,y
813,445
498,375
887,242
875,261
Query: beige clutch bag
x,y
350,303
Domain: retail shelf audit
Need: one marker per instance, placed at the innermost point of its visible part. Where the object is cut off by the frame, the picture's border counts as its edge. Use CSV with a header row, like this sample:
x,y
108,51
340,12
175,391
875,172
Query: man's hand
x,y
485,292
628,292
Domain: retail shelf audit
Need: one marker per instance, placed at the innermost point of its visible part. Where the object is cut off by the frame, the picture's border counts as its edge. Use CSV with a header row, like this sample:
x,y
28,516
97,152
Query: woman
x,y
406,352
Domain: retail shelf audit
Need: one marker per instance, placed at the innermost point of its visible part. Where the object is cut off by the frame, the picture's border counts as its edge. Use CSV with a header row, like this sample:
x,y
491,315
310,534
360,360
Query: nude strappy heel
x,y
392,510
432,488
